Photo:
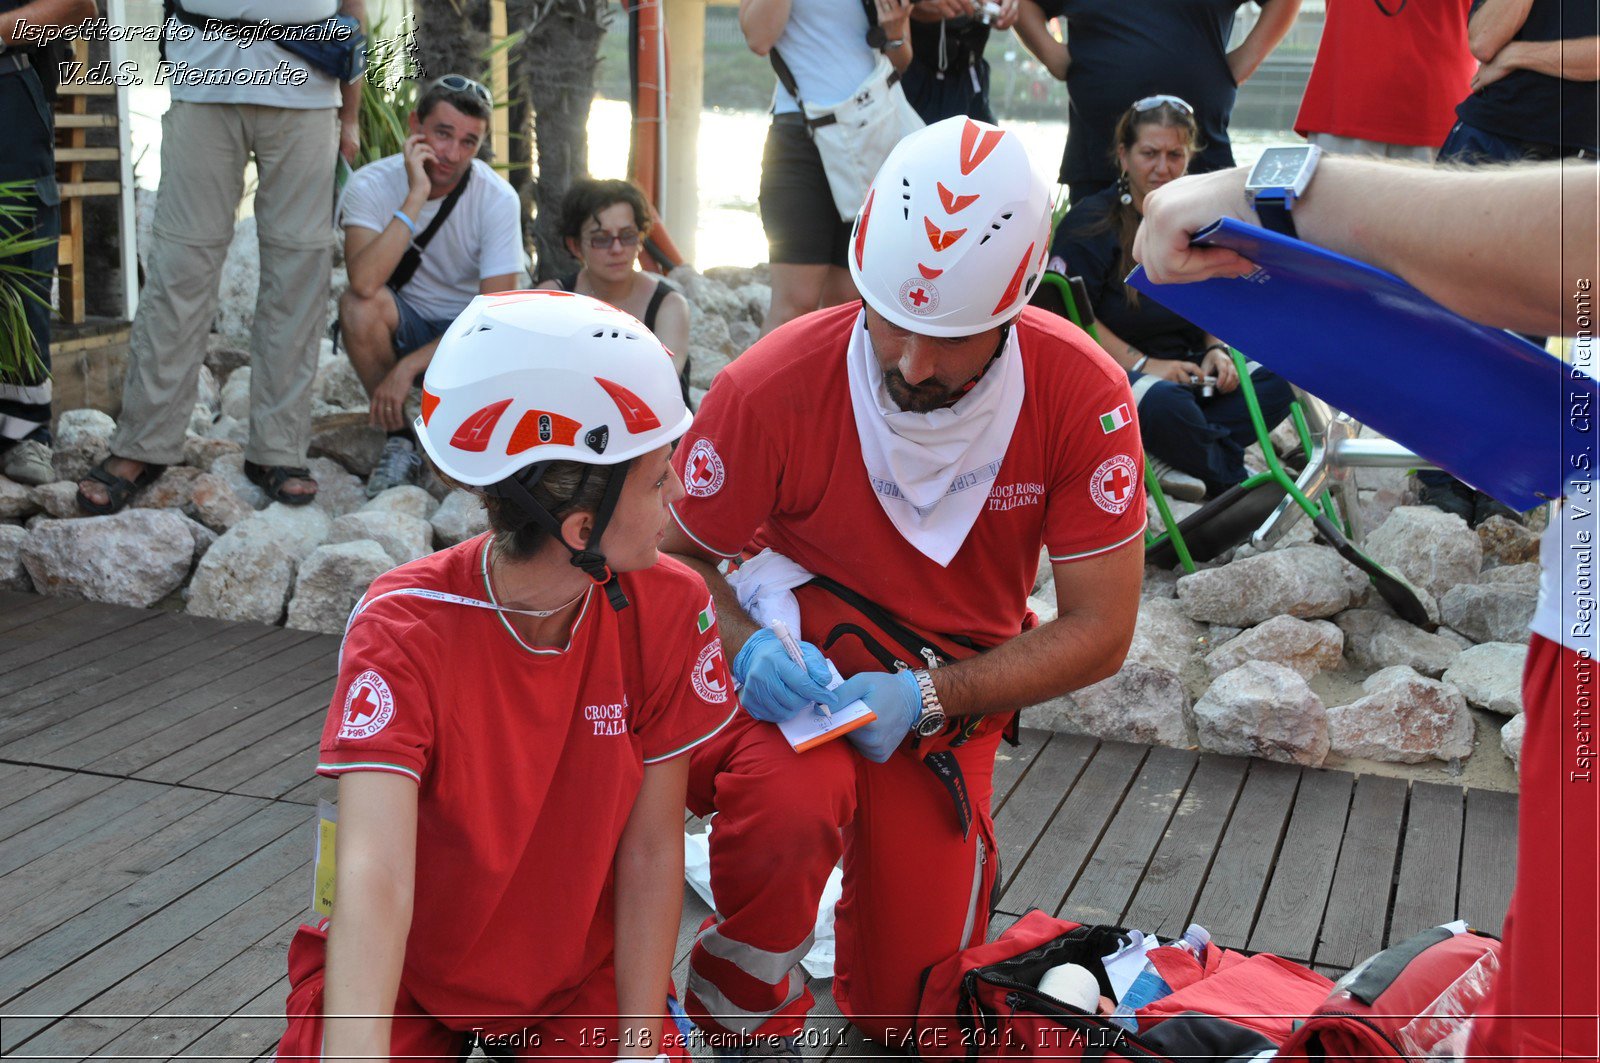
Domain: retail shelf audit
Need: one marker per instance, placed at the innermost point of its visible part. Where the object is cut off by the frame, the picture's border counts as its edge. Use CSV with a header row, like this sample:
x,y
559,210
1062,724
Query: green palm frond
x,y
18,283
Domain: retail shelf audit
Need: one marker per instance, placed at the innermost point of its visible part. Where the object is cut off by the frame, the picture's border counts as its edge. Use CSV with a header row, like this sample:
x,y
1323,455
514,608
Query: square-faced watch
x,y
1277,179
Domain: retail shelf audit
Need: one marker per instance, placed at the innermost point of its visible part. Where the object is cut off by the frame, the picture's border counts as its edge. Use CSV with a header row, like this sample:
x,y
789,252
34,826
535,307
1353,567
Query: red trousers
x,y
1546,1000
916,888
587,1028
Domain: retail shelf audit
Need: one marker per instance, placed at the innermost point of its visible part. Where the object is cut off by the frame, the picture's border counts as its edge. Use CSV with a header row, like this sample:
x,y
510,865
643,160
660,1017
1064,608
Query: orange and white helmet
x,y
953,236
522,378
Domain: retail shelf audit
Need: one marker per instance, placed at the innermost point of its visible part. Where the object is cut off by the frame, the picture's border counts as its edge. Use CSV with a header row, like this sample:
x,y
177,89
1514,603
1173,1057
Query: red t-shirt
x,y
773,460
528,763
1395,80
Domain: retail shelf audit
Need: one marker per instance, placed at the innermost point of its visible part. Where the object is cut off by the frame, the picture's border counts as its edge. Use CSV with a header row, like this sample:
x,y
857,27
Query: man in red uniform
x,y
900,464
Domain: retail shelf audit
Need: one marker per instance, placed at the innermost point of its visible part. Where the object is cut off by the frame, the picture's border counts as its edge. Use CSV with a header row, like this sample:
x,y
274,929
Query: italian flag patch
x,y
1117,418
707,617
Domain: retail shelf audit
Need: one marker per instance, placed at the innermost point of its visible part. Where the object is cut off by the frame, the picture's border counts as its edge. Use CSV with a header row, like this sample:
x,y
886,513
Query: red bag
x,y
1408,1002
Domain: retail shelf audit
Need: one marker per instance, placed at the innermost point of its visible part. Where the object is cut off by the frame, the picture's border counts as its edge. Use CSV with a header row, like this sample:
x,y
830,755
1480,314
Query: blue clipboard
x,y
1483,404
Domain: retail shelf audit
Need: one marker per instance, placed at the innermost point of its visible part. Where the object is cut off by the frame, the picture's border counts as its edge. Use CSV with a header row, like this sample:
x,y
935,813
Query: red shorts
x,y
586,1029
1547,996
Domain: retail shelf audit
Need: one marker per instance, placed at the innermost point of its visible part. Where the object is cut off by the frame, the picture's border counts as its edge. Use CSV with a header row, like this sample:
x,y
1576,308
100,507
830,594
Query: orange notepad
x,y
810,729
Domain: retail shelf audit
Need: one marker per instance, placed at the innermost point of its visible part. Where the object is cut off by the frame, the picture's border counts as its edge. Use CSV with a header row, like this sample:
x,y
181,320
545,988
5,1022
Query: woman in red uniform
x,y
511,714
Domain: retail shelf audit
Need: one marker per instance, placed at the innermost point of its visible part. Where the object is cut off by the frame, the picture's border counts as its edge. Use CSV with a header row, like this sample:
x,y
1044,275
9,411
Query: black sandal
x,y
271,478
119,489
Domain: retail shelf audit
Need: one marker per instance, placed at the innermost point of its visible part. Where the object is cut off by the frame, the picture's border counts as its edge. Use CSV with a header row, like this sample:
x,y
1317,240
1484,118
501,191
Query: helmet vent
x,y
481,328
994,227
905,198
613,334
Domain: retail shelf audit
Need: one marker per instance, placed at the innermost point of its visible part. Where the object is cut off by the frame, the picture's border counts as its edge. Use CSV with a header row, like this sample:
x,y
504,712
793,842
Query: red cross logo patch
x,y
368,707
710,677
703,472
1113,484
919,297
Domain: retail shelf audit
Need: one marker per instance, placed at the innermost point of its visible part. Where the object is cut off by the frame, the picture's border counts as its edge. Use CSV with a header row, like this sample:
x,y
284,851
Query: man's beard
x,y
921,398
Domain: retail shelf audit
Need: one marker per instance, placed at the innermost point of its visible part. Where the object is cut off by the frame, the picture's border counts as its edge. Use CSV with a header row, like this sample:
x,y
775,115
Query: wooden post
x,y
686,41
500,85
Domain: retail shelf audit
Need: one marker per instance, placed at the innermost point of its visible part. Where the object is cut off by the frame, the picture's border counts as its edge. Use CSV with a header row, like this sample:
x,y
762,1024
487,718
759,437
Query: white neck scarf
x,y
932,471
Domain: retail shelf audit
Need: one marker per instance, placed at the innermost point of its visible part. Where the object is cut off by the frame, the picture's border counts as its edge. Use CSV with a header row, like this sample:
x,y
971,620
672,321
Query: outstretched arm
x,y
1277,17
1507,247
1033,27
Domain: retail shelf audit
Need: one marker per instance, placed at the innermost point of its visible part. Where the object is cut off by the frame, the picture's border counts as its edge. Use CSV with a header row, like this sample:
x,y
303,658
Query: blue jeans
x,y
1207,437
415,330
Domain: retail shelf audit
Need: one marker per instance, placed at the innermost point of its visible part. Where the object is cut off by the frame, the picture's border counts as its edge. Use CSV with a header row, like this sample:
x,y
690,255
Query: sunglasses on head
x,y
457,83
602,241
1150,103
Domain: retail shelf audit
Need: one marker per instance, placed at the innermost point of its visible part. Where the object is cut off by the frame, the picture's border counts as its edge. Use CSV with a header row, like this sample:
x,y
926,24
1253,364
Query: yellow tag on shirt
x,y
323,869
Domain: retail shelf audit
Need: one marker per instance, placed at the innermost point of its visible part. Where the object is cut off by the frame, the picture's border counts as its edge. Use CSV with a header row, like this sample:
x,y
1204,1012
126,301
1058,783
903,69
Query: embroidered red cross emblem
x,y
355,717
702,469
918,296
1117,483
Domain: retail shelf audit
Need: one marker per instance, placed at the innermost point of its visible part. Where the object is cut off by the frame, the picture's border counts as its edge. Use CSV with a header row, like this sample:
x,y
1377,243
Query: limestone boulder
x,y
202,451
13,573
235,400
1159,583
756,298
224,355
1164,637
356,447
59,500
1489,612
402,536
332,580
338,490
229,467
1267,710
1433,549
708,296
1523,574
407,498
1511,738
247,573
1374,639
1490,676
1044,609
215,503
172,489
337,384
1306,646
82,441
17,501
240,281
1138,704
136,557
459,517
1507,542
1306,582
1403,718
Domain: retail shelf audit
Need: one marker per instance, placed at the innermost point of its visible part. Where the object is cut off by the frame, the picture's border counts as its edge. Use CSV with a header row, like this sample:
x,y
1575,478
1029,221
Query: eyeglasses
x,y
602,241
457,83
1150,103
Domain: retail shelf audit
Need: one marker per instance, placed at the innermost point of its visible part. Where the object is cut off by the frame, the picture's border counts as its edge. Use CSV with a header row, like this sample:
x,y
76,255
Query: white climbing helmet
x,y
522,378
953,236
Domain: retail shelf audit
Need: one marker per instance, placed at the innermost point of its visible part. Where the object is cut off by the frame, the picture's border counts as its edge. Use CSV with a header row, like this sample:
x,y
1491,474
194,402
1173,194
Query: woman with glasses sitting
x,y
603,223
1192,415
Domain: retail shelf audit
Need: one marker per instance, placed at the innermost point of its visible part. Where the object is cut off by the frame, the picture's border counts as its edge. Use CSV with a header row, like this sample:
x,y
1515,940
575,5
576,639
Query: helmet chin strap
x,y
518,490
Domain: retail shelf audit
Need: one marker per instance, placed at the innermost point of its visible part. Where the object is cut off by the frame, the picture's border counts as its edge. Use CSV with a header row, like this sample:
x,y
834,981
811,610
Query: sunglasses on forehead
x,y
1150,103
457,83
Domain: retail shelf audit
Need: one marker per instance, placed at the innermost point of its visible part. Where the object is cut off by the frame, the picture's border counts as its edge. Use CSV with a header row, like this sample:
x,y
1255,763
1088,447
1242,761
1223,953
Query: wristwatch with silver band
x,y
933,717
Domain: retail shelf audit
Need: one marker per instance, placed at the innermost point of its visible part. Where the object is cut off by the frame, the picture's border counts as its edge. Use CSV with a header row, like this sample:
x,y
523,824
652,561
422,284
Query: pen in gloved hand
x,y
792,648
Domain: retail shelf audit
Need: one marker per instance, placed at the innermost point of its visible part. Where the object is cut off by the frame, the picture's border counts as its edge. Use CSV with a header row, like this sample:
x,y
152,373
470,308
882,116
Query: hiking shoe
x,y
28,462
399,464
763,1050
1175,484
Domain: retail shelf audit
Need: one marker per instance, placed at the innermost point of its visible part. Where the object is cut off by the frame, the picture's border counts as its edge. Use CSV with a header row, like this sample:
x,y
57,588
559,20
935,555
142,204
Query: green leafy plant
x,y
18,283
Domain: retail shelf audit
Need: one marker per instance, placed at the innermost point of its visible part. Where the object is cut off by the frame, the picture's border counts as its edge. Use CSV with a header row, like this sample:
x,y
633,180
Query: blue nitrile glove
x,y
774,688
894,698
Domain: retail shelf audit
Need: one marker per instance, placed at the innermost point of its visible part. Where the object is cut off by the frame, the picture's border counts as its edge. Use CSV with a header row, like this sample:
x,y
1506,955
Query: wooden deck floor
x,y
156,800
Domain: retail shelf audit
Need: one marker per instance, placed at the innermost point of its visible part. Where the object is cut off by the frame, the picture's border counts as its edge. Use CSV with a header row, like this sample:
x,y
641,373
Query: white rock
x,y
240,281
1511,738
1524,574
1159,583
1307,646
338,385
704,364
407,498
136,557
17,500
1433,549
1404,718
756,298
216,503
59,499
459,517
1507,542
1374,639
338,491
332,580
201,451
298,529
235,401
1163,637
356,447
230,469
402,536
1490,676
82,441
1489,612
208,393
1265,710
1044,609
1305,582
171,490
247,573
228,428
224,355
1138,704
709,297
13,575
